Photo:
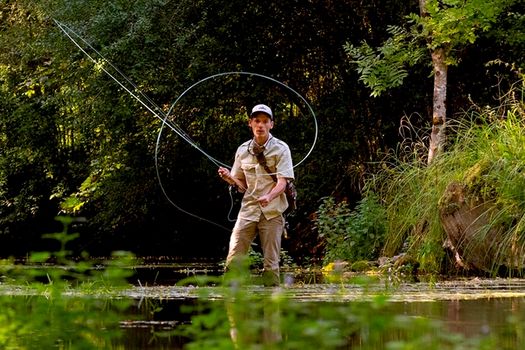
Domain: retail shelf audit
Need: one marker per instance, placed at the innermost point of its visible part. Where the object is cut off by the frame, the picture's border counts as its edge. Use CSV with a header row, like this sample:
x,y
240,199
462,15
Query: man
x,y
264,201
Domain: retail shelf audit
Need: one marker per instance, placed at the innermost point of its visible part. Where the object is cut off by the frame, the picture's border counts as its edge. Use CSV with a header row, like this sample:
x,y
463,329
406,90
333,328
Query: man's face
x,y
261,124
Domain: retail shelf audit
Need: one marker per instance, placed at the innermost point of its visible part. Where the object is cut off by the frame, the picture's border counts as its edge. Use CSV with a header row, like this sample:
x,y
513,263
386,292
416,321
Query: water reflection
x,y
468,317
156,314
482,310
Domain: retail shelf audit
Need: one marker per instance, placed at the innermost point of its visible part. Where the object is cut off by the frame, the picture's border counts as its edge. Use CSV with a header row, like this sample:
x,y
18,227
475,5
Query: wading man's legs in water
x,y
270,233
261,170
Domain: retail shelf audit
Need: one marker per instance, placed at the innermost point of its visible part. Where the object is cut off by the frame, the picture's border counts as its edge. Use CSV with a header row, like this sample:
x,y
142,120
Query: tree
x,y
70,139
441,27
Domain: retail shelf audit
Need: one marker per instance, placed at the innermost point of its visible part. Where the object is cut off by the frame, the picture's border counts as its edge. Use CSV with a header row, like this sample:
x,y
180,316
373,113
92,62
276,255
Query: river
x,y
307,311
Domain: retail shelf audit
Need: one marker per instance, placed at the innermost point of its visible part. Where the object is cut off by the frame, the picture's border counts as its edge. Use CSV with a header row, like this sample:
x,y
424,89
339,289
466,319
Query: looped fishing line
x,y
159,113
310,109
215,161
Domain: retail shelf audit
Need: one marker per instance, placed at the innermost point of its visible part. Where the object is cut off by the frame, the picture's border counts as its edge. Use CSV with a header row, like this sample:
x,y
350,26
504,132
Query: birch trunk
x,y
439,108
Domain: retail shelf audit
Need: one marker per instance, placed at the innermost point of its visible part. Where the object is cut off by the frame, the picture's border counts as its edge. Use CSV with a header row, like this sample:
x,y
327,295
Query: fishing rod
x,y
152,107
139,95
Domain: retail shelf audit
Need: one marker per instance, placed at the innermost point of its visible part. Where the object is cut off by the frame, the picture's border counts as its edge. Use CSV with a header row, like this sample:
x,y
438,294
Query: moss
x,y
451,199
360,266
477,185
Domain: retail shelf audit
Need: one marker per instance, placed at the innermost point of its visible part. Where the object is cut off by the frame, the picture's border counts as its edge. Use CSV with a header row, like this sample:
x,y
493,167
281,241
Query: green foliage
x,y
66,323
387,66
73,142
453,23
351,235
449,25
249,318
57,301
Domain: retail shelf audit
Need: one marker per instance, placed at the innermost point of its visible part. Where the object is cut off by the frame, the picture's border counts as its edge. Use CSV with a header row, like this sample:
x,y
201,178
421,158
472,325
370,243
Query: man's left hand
x,y
265,200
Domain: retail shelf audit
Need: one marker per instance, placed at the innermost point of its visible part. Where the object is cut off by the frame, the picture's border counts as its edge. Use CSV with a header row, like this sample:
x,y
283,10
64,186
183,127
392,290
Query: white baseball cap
x,y
260,108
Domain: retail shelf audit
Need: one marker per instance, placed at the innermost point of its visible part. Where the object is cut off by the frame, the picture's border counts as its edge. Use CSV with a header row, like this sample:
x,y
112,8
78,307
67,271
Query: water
x,y
150,313
471,308
470,318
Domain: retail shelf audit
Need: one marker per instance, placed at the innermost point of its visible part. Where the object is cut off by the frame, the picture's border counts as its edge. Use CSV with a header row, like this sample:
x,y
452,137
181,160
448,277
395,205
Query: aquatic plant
x,y
54,300
251,317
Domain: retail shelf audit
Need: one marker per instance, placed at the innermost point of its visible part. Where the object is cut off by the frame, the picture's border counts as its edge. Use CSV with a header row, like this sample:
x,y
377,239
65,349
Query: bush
x,y
351,235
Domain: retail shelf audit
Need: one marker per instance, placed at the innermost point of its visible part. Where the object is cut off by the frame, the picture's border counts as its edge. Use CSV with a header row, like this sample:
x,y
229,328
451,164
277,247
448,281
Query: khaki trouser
x,y
270,232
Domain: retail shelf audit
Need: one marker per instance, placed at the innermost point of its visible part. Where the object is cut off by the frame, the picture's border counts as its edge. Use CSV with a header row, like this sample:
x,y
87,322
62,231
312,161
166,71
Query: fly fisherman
x,y
264,201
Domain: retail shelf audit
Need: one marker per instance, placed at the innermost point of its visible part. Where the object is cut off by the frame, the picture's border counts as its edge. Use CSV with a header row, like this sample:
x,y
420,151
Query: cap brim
x,y
255,113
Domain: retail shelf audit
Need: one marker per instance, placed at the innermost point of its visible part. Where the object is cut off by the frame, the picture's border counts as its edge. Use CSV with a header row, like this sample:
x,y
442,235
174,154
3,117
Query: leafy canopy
x,y
444,24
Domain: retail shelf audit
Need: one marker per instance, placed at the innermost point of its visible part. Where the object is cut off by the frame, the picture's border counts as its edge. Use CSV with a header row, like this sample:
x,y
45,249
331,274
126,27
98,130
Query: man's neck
x,y
261,141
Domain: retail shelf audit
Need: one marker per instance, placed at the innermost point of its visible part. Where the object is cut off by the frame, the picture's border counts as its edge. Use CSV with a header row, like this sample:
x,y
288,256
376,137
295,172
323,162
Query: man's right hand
x,y
225,175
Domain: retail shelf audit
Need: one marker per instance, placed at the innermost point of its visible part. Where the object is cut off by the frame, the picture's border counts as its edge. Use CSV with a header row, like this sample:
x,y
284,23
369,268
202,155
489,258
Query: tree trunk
x,y
439,109
423,8
474,242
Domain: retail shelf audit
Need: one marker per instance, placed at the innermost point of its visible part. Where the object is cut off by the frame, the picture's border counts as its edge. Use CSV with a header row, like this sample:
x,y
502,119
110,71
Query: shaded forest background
x,y
73,142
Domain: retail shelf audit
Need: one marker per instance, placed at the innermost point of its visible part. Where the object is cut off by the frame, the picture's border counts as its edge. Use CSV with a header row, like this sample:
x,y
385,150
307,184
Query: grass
x,y
485,154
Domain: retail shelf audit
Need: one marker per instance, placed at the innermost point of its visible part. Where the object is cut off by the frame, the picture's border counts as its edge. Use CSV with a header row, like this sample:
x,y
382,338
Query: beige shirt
x,y
259,182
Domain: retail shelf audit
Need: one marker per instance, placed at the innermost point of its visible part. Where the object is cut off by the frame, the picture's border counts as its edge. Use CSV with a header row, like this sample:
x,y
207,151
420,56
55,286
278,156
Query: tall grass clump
x,y
485,153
